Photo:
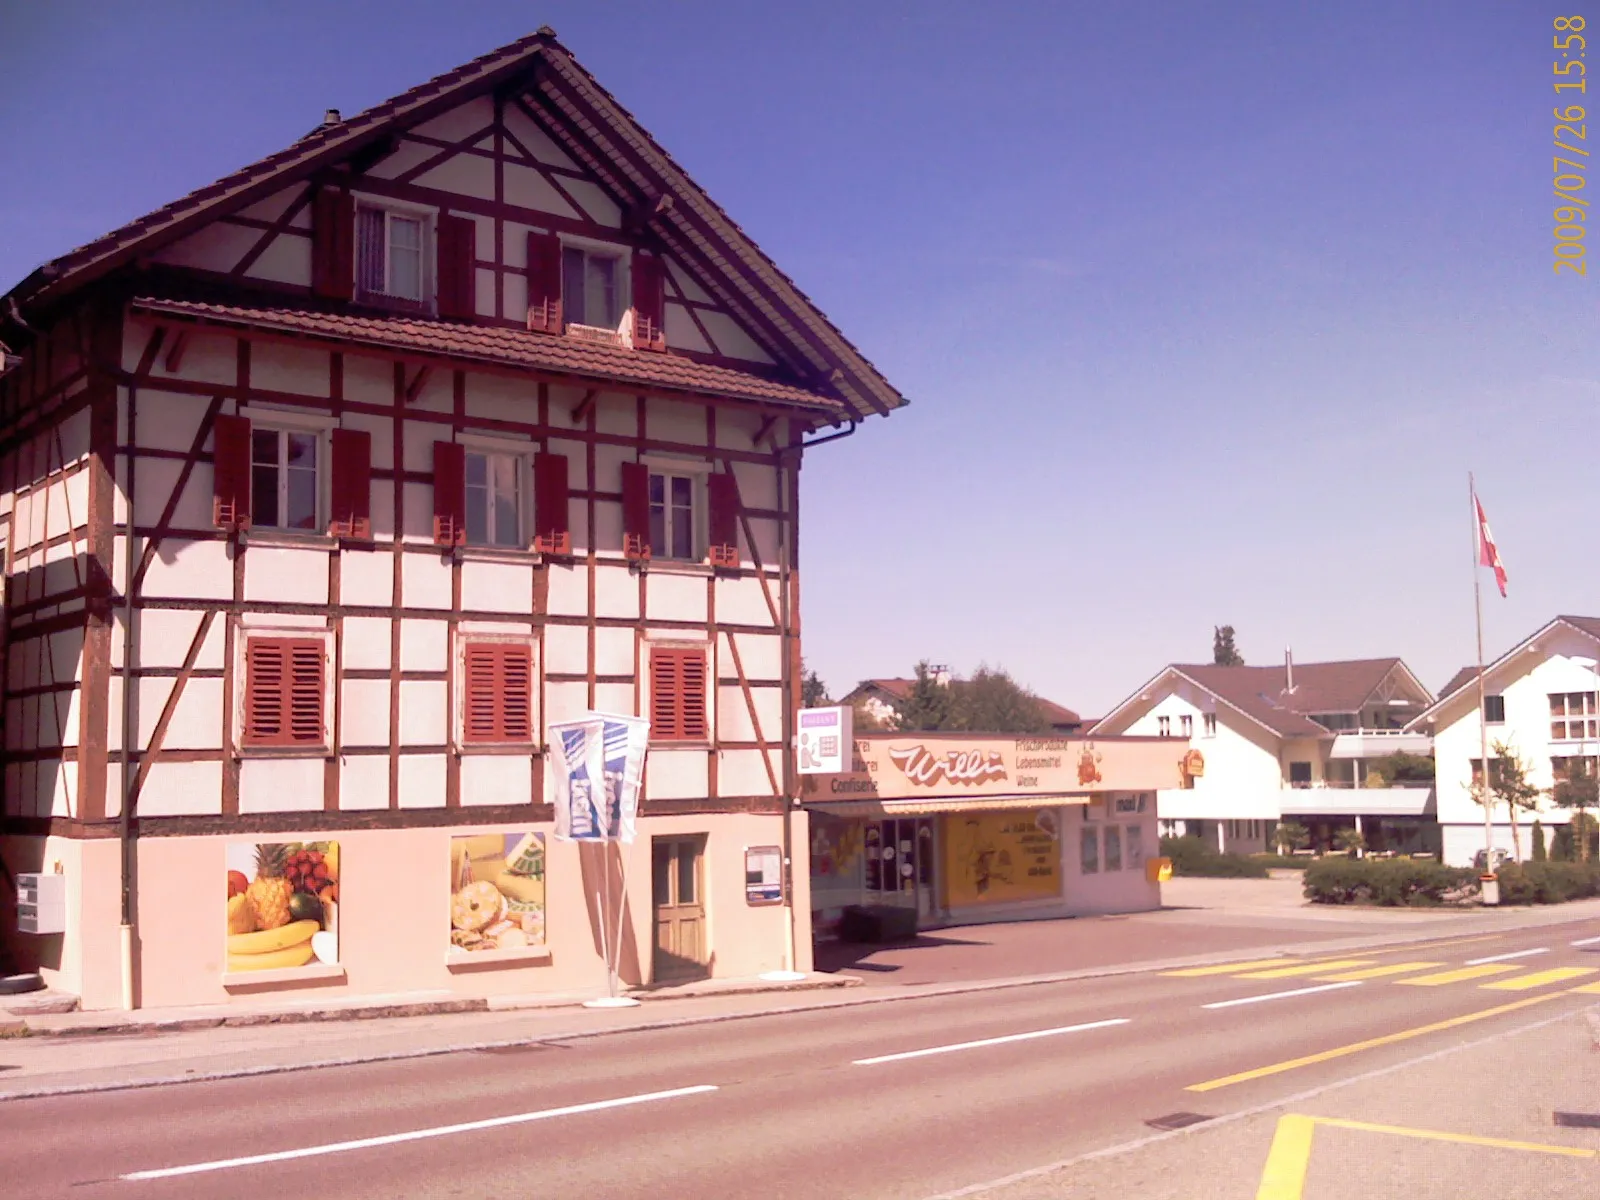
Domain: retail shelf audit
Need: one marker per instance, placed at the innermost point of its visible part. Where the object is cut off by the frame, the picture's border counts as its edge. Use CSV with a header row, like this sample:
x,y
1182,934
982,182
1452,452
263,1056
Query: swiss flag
x,y
1488,554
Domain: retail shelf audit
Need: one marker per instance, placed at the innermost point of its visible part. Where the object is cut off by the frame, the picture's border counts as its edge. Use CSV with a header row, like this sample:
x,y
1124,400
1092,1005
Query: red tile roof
x,y
1262,694
503,347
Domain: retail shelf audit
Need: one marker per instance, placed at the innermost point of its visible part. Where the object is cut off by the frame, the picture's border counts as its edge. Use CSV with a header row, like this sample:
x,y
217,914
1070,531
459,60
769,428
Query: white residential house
x,y
1286,742
1539,698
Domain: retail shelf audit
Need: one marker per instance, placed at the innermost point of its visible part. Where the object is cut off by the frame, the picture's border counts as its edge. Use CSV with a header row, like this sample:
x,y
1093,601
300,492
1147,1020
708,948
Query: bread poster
x,y
496,892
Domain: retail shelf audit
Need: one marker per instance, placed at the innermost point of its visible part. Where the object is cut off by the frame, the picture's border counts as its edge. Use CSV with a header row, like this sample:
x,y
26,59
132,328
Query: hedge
x,y
1392,881
1192,856
1548,882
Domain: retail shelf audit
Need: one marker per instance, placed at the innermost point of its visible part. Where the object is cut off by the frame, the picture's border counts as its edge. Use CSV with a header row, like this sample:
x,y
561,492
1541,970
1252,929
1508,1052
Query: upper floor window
x,y
1300,774
679,704
494,499
590,287
284,486
1208,722
284,692
1164,726
1572,715
1186,725
672,515
498,686
390,256
1494,710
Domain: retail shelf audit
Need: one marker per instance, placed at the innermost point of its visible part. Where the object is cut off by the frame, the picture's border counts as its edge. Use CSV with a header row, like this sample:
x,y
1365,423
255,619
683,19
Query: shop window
x,y
497,701
1089,848
284,692
1113,848
1135,842
679,707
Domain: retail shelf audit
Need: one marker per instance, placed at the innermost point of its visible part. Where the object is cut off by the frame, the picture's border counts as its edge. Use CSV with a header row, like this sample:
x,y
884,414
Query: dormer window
x,y
589,287
390,255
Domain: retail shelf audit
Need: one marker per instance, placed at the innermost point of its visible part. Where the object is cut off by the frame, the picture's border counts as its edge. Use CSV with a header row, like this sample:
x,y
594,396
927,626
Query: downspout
x,y
129,771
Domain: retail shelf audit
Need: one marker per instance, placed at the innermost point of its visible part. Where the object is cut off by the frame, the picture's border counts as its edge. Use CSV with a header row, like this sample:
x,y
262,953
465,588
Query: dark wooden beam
x,y
583,406
418,382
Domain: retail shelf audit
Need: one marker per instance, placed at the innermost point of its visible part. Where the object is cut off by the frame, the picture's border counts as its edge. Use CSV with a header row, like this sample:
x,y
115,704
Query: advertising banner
x,y
996,857
497,892
283,905
623,741
597,767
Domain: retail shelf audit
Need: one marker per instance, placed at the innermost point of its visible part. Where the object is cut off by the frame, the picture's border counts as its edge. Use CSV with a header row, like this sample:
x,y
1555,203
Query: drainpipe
x,y
125,828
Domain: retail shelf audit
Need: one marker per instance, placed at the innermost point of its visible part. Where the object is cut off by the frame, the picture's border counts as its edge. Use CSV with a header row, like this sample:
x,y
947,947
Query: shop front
x,y
957,829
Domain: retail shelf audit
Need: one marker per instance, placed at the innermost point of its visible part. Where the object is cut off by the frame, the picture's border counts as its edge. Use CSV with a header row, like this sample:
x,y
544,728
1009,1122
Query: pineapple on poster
x,y
496,892
283,904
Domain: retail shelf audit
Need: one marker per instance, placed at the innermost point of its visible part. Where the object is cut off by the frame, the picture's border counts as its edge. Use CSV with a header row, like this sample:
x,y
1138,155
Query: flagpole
x,y
1483,725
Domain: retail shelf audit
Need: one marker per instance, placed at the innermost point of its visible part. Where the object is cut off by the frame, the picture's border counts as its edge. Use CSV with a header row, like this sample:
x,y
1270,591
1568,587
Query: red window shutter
x,y
498,693
352,484
265,670
552,529
457,246
230,457
482,694
649,302
722,493
696,726
333,245
635,510
678,705
544,282
449,494
516,693
306,659
284,680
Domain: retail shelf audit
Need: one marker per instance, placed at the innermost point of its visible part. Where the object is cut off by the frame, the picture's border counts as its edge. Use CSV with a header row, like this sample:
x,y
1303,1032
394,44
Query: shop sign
x,y
995,857
763,875
497,893
823,741
283,905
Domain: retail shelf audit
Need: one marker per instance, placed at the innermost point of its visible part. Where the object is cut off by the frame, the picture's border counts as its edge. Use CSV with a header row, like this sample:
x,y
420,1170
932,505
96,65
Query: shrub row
x,y
1394,881
1548,882
1193,856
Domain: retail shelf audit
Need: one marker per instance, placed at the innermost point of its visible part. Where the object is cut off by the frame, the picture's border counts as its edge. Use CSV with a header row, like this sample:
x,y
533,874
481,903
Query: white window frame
x,y
1164,726
622,278
1208,724
1585,717
273,626
428,217
1186,725
522,451
644,671
278,420
697,472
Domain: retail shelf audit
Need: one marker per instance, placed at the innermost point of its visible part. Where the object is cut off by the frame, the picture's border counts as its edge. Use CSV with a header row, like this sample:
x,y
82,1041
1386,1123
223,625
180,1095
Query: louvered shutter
x,y
722,494
635,510
306,660
516,693
696,726
498,693
265,670
457,245
552,529
649,302
679,711
449,494
284,684
352,485
544,282
480,719
230,456
333,245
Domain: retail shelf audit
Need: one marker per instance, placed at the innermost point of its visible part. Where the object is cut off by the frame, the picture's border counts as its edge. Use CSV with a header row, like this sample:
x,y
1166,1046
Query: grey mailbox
x,y
41,903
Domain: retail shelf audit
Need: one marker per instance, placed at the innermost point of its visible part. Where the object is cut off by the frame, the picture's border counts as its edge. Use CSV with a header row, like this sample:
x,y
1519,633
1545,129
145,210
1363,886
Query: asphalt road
x,y
815,1104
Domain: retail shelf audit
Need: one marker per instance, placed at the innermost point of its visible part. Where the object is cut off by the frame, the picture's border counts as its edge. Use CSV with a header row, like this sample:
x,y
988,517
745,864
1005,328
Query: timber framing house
x,y
325,488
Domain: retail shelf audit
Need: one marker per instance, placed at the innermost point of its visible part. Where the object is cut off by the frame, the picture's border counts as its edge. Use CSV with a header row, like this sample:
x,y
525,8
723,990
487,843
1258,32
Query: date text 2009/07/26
x,y
1571,216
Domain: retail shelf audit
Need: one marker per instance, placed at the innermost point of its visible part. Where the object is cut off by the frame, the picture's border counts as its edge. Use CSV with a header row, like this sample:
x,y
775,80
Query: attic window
x,y
589,287
390,257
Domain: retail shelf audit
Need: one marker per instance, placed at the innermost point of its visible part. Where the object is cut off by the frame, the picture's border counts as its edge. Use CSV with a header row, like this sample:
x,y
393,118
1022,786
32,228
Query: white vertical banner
x,y
577,780
624,741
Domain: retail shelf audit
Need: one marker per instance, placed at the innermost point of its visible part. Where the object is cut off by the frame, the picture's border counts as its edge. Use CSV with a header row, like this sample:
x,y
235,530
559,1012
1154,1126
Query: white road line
x,y
994,1041
1584,941
1478,962
1327,987
389,1139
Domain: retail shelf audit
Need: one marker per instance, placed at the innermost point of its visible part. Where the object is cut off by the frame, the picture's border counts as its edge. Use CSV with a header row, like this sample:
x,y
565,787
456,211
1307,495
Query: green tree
x,y
1508,785
1580,790
1400,768
1538,841
992,702
813,692
1223,651
1351,841
930,705
1290,836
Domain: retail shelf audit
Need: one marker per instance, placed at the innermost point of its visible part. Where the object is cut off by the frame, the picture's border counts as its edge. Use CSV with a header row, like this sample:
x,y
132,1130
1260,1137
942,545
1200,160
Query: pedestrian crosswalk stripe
x,y
1540,978
1229,968
1380,972
1458,976
1306,969
1588,989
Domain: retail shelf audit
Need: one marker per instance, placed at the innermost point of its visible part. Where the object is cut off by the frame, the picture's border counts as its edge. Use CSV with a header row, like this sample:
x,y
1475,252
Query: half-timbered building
x,y
326,488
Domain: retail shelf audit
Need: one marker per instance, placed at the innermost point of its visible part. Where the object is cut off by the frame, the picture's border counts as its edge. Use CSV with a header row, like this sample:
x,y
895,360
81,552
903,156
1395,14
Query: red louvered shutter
x,y
696,727
449,494
480,718
649,302
230,456
665,686
306,659
552,531
722,493
516,693
265,670
544,282
498,693
457,245
352,485
333,245
635,510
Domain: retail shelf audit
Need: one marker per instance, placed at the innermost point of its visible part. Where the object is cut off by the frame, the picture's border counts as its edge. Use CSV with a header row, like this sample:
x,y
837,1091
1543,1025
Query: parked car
x,y
1501,858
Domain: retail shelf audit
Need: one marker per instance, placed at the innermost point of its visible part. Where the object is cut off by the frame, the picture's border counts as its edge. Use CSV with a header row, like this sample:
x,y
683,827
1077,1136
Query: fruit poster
x,y
496,892
283,905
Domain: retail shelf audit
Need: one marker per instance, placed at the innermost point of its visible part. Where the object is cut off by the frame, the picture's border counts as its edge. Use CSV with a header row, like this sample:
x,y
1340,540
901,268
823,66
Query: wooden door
x,y
677,869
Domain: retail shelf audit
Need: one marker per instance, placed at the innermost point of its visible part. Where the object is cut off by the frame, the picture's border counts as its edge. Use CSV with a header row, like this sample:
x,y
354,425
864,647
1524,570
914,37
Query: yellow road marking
x,y
1539,978
1457,976
1284,1177
1306,968
1380,972
1194,972
1588,989
1387,1039
1413,947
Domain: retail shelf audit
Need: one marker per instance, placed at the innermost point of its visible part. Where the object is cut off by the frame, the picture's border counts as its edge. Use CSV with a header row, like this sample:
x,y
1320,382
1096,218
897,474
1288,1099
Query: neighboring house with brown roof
x,y
1290,741
1539,699
353,471
882,698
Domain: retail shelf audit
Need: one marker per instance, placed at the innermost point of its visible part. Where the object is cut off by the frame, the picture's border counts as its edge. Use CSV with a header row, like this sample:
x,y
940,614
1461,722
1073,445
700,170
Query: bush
x,y
1548,882
1282,862
1192,856
1538,842
1390,882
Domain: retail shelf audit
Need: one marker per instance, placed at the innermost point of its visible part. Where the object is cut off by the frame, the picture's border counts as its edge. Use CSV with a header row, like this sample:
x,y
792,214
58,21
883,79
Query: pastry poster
x,y
283,904
999,856
496,892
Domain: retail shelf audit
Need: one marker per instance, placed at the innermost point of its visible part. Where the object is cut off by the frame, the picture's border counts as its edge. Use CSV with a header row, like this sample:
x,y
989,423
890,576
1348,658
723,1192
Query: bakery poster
x,y
995,857
283,905
496,893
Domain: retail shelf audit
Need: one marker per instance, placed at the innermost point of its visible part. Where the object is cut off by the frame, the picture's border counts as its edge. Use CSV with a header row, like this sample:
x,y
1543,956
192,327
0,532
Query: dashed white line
x,y
415,1135
1307,991
1478,962
994,1041
1584,941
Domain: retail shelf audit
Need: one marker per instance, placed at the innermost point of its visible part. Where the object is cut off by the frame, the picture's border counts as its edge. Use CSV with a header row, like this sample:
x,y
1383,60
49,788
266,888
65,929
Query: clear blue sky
x,y
1204,314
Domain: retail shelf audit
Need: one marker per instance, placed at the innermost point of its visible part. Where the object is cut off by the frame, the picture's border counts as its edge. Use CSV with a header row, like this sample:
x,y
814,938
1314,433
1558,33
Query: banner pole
x,y
622,904
1485,793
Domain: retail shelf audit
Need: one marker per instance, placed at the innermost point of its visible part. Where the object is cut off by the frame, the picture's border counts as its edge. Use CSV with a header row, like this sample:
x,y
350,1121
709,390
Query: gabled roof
x,y
1467,677
592,127
900,689
1262,693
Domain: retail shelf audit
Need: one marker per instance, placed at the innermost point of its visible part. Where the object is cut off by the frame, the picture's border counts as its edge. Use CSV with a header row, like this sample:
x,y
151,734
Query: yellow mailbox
x,y
1158,870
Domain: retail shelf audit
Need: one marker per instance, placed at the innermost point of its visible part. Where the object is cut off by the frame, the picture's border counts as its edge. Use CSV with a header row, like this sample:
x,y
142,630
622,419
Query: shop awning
x,y
923,806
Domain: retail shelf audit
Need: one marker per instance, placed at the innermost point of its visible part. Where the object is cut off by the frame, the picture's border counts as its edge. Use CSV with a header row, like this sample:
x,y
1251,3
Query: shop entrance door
x,y
677,867
900,864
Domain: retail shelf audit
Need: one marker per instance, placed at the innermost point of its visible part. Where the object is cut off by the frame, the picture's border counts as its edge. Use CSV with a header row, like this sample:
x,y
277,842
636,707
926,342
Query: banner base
x,y
781,976
611,1002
